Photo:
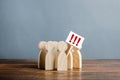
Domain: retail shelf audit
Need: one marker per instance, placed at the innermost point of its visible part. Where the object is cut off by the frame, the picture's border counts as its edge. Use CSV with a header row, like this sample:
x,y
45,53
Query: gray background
x,y
23,23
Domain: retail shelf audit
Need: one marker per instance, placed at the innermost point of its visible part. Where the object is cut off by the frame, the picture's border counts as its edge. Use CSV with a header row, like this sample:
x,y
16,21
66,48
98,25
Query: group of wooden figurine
x,y
59,56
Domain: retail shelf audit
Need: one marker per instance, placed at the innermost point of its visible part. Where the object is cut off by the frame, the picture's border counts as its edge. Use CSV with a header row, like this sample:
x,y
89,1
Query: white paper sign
x,y
75,40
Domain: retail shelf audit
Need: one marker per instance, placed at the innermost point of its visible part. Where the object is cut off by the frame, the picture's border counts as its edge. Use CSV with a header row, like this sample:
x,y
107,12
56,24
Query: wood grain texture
x,y
22,69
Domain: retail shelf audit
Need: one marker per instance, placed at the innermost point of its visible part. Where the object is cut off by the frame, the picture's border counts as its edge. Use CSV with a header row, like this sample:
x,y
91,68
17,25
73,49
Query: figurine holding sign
x,y
75,41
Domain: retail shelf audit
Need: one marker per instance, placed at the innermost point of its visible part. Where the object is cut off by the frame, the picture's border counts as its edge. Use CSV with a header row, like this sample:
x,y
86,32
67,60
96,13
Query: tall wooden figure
x,y
42,54
62,58
70,57
77,58
50,56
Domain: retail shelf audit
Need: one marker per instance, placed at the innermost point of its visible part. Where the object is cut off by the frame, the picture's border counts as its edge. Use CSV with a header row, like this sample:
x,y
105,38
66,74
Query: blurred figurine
x,y
42,54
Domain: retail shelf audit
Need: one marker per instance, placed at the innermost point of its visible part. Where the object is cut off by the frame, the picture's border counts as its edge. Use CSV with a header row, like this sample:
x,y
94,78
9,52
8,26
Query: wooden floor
x,y
27,70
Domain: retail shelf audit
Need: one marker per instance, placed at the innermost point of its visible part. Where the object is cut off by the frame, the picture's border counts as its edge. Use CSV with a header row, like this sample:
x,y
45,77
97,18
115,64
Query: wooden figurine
x,y
70,57
50,56
77,58
42,54
62,58
55,51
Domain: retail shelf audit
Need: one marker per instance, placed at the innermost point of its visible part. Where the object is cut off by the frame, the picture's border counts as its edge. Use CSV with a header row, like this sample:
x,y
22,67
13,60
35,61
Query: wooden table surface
x,y
21,69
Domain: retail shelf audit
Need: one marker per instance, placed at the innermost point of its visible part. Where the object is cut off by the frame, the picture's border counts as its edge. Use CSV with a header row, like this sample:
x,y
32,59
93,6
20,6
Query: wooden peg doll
x,y
70,57
62,58
50,56
77,58
55,51
42,54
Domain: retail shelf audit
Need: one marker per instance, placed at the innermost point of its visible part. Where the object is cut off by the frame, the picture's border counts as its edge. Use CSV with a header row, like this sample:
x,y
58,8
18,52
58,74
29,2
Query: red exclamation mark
x,y
75,39
78,41
71,37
